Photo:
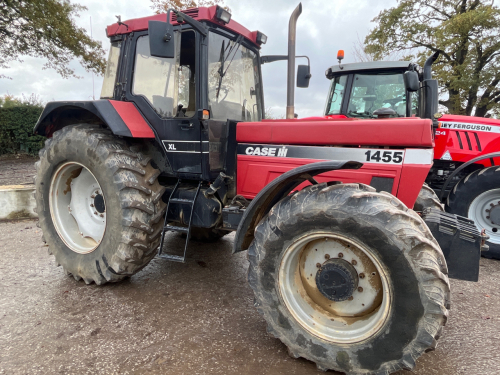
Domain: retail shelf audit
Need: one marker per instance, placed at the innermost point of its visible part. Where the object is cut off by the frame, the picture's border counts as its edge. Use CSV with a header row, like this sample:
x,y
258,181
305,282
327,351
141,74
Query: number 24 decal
x,y
385,156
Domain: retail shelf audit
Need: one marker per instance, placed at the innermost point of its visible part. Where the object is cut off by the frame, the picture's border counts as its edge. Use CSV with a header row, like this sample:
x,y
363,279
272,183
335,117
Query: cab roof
x,y
371,65
199,14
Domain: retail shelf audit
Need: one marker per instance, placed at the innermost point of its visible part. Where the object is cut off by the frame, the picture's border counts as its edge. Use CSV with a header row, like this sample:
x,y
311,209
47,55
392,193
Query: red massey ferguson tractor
x,y
344,273
464,174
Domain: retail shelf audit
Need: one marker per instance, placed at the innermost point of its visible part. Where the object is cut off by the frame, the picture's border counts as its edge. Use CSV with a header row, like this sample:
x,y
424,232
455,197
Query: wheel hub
x,y
493,214
337,280
99,204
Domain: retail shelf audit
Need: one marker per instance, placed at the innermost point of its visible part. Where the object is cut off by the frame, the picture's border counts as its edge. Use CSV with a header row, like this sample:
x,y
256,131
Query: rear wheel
x,y
99,205
477,196
350,279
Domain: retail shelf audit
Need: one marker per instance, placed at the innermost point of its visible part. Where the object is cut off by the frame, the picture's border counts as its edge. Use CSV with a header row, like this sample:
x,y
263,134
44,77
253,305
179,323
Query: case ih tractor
x,y
344,273
465,173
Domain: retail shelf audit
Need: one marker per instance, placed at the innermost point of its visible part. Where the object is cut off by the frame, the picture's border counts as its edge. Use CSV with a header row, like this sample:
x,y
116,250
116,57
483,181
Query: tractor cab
x,y
380,89
358,90
187,73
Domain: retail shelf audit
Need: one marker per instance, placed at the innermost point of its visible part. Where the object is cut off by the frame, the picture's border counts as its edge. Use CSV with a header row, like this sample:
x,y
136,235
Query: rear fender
x,y
123,118
277,190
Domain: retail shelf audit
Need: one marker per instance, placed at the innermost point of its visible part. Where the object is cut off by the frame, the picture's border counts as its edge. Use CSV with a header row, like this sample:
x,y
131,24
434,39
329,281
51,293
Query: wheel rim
x,y
77,207
359,317
485,211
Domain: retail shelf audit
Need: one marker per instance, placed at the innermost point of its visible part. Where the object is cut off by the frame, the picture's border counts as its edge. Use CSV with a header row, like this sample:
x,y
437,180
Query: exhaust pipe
x,y
428,65
290,85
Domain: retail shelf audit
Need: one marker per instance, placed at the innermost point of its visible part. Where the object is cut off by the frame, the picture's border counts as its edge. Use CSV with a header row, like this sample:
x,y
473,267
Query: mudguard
x,y
123,118
277,190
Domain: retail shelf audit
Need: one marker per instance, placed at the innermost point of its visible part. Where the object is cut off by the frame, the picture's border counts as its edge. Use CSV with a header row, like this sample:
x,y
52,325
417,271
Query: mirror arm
x,y
273,58
198,26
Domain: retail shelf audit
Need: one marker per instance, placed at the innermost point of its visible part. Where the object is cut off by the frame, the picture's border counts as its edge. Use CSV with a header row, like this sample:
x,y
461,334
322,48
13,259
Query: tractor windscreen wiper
x,y
223,57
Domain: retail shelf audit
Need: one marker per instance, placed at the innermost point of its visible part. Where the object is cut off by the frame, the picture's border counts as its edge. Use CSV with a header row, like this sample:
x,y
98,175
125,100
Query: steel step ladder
x,y
167,227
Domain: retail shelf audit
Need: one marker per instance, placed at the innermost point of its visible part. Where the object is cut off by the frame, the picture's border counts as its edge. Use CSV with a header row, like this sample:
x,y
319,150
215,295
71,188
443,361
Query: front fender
x,y
123,118
277,190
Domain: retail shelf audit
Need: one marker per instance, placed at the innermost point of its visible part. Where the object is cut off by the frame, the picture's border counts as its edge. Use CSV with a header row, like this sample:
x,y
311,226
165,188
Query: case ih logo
x,y
473,127
267,151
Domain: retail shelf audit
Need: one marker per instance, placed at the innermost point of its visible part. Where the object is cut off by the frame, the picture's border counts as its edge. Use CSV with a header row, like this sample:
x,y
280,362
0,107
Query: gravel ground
x,y
193,318
17,169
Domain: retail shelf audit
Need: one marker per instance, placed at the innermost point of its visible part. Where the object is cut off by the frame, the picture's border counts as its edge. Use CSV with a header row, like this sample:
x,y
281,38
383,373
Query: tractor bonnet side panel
x,y
400,171
462,138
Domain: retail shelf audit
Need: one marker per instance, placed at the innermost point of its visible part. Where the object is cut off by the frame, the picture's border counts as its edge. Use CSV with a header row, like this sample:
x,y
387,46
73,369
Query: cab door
x,y
164,90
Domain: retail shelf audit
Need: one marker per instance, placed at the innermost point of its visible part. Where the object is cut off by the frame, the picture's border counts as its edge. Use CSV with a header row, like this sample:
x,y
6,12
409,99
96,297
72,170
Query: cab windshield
x,y
234,87
373,91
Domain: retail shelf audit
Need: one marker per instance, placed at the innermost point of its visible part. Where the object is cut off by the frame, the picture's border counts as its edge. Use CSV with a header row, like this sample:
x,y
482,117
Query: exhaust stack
x,y
290,86
428,65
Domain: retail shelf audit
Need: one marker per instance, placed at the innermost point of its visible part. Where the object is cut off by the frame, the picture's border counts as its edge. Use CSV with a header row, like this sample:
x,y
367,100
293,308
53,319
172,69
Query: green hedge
x,y
16,130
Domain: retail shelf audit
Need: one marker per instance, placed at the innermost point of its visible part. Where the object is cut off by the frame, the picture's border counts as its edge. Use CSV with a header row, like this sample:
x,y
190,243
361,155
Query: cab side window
x,y
336,95
167,84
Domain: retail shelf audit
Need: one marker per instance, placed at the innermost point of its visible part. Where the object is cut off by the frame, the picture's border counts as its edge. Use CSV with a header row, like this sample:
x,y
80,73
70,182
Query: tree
x,y
161,6
360,53
46,29
466,34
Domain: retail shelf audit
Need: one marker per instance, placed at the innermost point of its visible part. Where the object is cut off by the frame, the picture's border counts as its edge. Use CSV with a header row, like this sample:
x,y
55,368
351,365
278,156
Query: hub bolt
x,y
91,205
318,265
350,298
361,275
95,212
101,215
92,196
354,262
341,255
97,191
492,205
360,289
327,256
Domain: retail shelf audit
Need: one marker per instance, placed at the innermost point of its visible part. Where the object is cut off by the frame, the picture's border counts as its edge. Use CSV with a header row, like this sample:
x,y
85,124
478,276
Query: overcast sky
x,y
324,27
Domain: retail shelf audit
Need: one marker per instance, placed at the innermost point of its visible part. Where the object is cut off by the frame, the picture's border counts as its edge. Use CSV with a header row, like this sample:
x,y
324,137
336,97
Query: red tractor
x,y
464,174
345,274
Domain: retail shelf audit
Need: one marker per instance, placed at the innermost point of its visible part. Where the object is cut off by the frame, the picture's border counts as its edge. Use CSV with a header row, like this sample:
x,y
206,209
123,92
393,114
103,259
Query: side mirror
x,y
410,79
161,39
303,76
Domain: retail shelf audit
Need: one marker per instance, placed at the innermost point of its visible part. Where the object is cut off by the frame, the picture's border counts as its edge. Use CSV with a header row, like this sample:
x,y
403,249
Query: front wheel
x,y
350,279
427,198
477,196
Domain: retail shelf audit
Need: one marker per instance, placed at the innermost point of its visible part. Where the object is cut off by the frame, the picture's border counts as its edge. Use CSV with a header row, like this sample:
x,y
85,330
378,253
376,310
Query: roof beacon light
x,y
261,38
340,57
222,15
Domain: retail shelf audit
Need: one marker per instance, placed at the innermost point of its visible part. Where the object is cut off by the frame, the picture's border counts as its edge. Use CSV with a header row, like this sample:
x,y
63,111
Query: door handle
x,y
186,126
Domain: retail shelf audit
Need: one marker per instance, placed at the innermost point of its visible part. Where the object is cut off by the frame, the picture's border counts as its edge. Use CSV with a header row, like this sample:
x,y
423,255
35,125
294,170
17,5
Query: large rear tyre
x,y
99,204
477,196
427,198
350,279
